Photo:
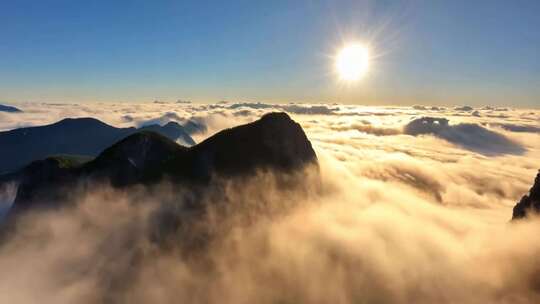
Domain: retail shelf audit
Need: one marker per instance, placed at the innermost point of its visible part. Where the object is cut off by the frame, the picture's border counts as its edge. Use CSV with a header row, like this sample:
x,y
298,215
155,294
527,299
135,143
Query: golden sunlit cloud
x,y
352,62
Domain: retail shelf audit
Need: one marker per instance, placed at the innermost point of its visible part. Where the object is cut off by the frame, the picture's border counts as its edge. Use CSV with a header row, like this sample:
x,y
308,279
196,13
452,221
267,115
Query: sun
x,y
352,62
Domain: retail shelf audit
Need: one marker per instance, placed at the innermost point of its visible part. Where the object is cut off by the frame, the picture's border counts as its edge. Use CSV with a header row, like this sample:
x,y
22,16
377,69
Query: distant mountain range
x,y
73,136
10,109
274,142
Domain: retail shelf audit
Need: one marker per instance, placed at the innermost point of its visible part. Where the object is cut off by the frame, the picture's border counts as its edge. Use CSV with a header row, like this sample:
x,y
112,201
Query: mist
x,y
391,218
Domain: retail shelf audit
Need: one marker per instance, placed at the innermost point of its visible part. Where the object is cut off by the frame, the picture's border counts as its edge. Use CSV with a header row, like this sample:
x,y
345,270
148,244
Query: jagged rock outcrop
x,y
74,136
274,142
528,203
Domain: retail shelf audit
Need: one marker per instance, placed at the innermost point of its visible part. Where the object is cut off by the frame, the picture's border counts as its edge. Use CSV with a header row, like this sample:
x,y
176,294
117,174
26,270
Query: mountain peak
x,y
76,136
80,121
273,142
276,116
137,158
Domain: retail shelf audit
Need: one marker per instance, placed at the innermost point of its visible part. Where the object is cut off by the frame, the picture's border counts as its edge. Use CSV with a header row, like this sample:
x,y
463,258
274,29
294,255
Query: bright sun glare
x,y
352,62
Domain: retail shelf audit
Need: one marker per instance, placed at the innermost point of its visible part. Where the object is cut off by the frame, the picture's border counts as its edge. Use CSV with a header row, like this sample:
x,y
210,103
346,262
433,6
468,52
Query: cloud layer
x,y
468,135
404,213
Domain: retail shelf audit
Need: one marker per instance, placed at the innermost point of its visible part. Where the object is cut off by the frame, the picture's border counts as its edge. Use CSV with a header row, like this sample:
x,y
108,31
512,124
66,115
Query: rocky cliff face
x,y
275,142
528,203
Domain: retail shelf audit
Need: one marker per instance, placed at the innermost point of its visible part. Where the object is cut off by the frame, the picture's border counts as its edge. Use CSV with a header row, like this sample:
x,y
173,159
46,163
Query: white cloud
x,y
396,219
468,135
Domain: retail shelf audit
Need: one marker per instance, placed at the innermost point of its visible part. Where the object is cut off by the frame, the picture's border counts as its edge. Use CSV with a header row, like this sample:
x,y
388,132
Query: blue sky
x,y
430,52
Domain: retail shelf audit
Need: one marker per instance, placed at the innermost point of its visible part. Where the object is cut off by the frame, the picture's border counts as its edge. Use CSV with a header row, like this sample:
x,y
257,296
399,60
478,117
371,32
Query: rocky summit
x,y
274,142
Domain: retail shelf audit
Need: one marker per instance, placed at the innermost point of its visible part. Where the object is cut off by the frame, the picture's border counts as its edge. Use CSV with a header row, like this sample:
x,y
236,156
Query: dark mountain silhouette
x,y
192,126
274,142
528,203
10,109
77,136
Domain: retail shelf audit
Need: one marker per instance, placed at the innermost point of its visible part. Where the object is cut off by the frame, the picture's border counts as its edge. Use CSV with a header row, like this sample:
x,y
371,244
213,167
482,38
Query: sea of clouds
x,y
413,206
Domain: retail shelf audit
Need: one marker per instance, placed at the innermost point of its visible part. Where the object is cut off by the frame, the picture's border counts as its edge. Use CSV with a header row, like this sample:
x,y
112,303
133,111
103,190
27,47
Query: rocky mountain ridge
x,y
274,142
72,136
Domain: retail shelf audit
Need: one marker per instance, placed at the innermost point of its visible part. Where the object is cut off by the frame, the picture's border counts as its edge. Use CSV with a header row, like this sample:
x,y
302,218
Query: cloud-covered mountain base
x,y
395,219
322,245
